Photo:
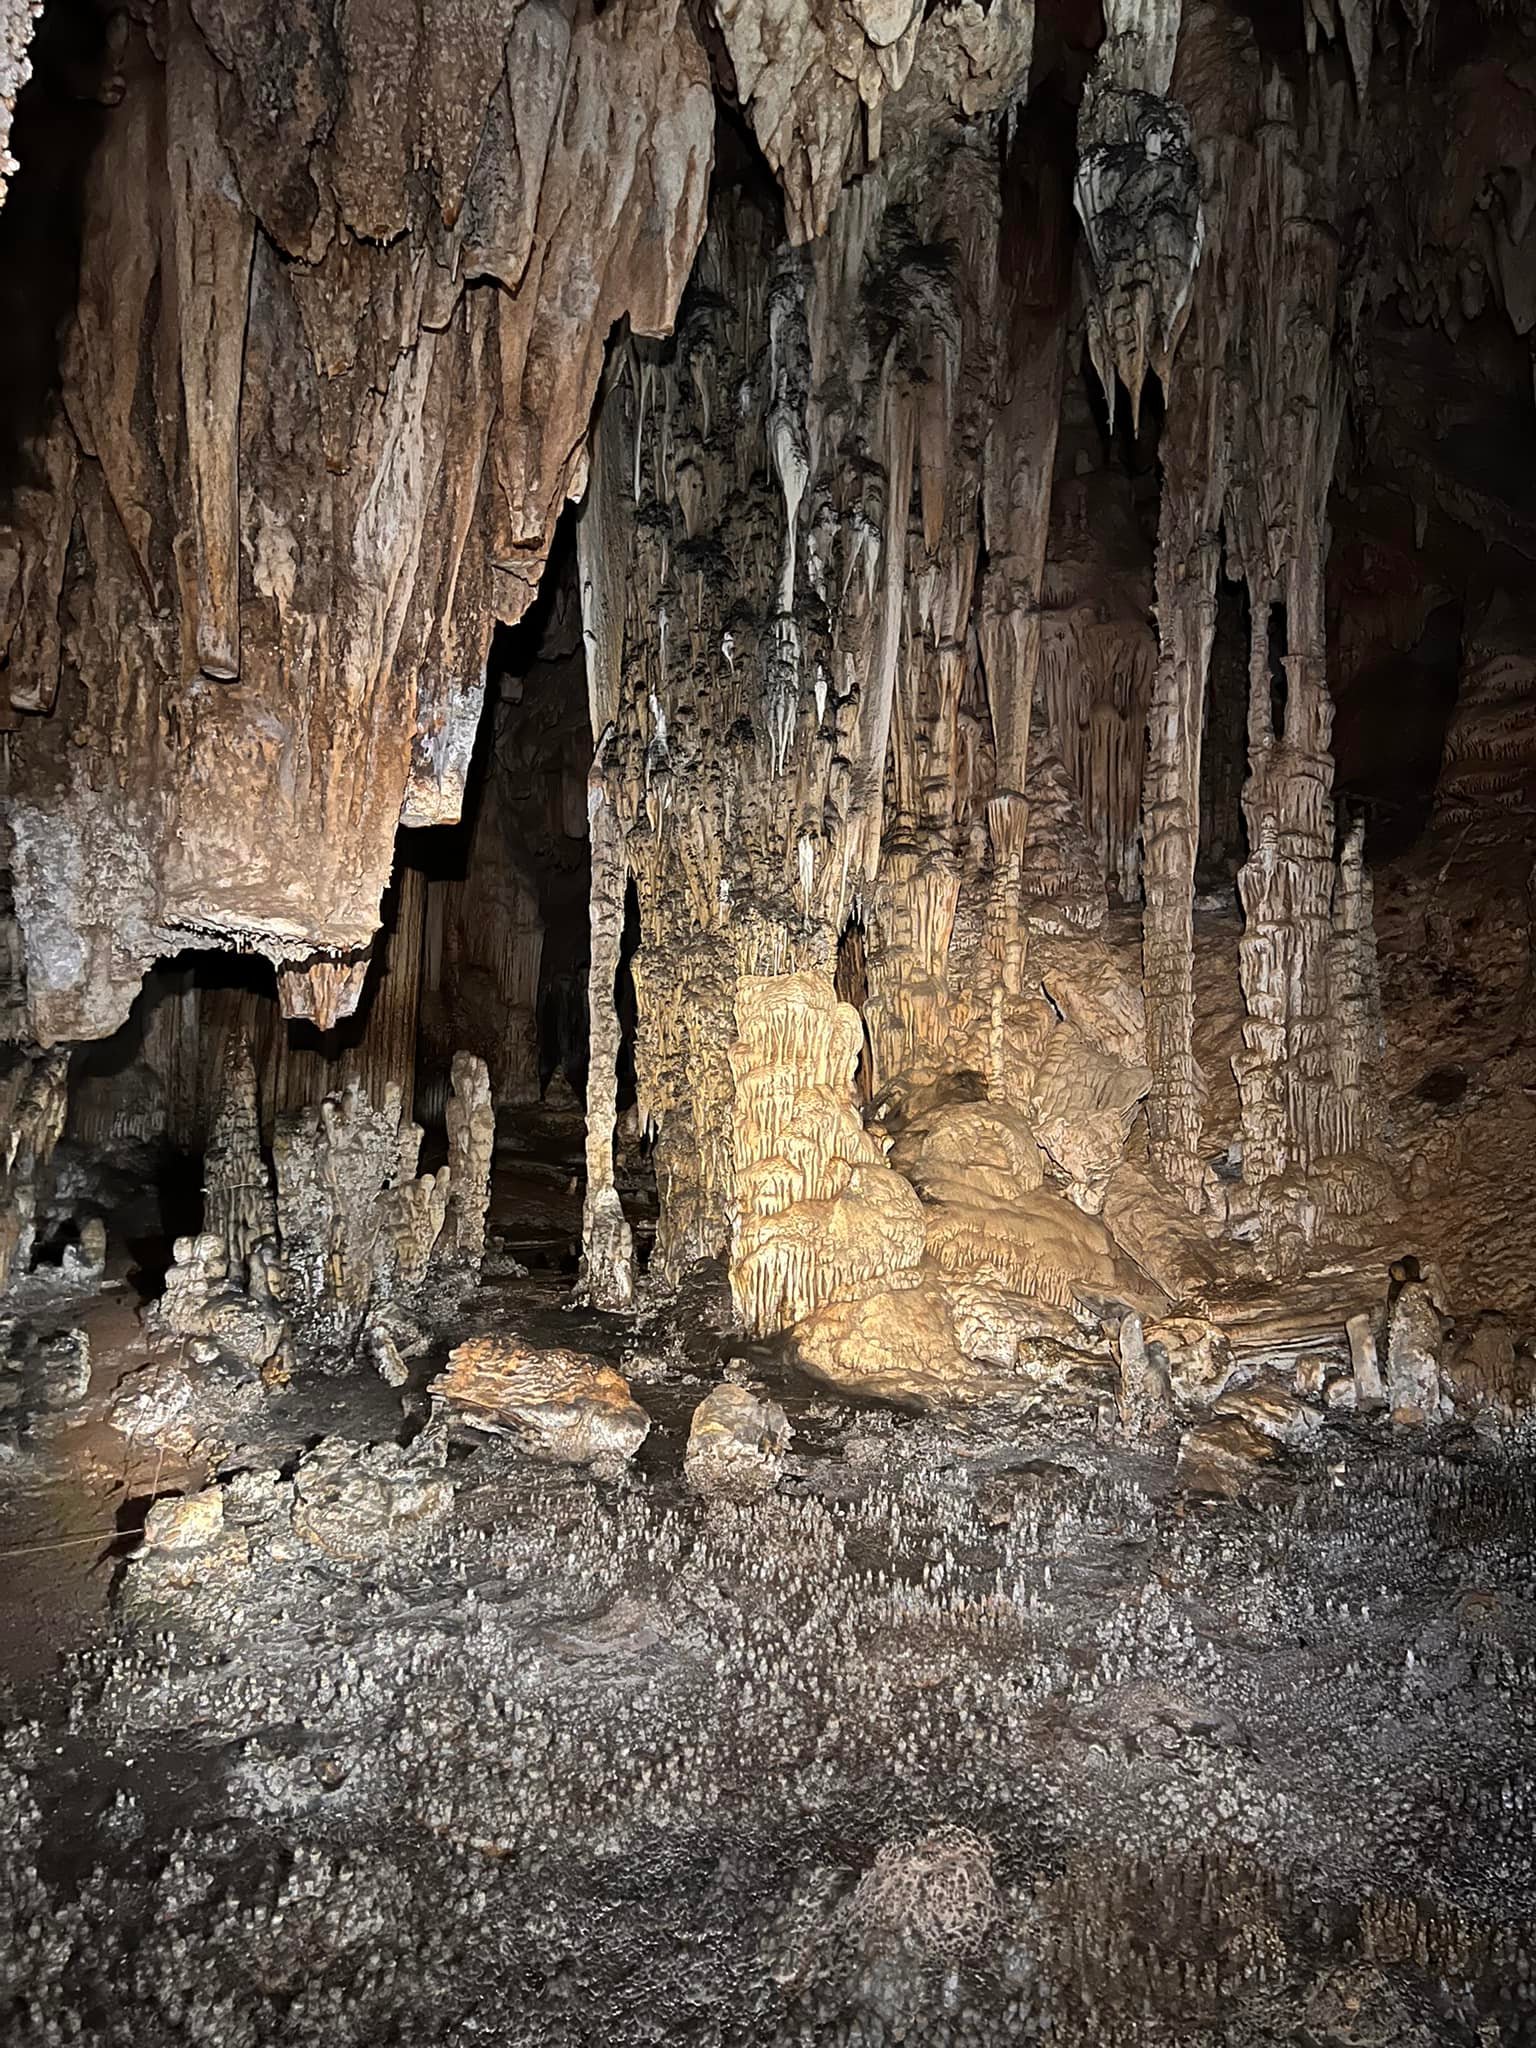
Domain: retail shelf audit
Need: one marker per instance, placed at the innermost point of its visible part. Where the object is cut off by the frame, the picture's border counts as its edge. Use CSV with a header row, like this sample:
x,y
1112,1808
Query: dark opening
x,y
1279,681
851,981
59,118
1389,732
507,953
1224,743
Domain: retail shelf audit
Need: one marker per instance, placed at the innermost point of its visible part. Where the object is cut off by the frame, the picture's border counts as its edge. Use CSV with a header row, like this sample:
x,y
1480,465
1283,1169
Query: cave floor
x,y
983,1728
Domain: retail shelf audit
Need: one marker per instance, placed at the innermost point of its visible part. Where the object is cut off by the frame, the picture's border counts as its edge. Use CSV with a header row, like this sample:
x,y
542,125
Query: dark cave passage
x,y
505,971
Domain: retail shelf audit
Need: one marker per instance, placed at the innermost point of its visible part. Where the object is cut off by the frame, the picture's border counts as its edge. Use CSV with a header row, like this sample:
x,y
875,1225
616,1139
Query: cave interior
x,y
767,1104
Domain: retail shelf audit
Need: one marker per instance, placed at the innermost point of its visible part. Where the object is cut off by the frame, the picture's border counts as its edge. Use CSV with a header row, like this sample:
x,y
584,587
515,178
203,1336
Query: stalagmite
x,y
471,1120
607,1247
238,1203
1415,1338
34,1098
358,1225
820,1216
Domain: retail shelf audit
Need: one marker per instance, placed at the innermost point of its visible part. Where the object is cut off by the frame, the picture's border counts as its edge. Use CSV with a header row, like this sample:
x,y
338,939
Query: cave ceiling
x,y
348,279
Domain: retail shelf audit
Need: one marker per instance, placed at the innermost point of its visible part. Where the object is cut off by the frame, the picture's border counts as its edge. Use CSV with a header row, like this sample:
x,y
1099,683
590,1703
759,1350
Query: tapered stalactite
x,y
1292,1116
1356,1040
1098,650
1138,194
1249,449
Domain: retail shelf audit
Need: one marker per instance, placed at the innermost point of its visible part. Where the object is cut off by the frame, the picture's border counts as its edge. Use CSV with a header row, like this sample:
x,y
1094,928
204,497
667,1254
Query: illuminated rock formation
x,y
922,676
369,266
556,1404
820,1216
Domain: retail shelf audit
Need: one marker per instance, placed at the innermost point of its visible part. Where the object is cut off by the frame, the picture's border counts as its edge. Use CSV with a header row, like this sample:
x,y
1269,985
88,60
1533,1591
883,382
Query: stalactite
x,y
1278,528
1098,652
384,1053
1138,194
1488,773
1249,445
281,230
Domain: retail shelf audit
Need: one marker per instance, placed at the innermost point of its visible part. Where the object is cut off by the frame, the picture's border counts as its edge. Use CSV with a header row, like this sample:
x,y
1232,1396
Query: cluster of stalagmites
x,y
964,1790
965,1244
335,1244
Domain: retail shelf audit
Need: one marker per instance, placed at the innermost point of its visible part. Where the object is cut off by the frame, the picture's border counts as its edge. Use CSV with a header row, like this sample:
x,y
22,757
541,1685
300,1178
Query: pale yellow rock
x,y
1150,1222
986,1146
820,1216
1040,1246
1223,1456
895,1345
190,1522
1084,1103
1096,991
943,1341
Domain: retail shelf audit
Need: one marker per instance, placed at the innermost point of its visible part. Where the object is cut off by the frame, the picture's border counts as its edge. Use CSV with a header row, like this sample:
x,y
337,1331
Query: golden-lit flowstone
x,y
556,1404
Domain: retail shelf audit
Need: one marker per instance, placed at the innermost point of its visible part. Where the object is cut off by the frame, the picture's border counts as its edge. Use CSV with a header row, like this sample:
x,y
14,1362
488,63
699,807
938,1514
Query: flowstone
x,y
556,1405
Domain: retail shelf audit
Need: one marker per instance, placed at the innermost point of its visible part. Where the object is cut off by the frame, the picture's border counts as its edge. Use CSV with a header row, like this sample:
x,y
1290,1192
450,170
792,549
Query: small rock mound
x,y
736,1444
937,1894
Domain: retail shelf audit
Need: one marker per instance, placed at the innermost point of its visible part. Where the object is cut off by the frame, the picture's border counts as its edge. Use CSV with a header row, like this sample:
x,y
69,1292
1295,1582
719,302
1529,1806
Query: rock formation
x,y
238,1203
1005,459
367,267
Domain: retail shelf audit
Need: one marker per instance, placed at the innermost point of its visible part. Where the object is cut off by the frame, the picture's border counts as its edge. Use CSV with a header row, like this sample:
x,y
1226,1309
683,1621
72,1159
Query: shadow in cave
x,y
142,1102
507,953
60,116
1389,731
